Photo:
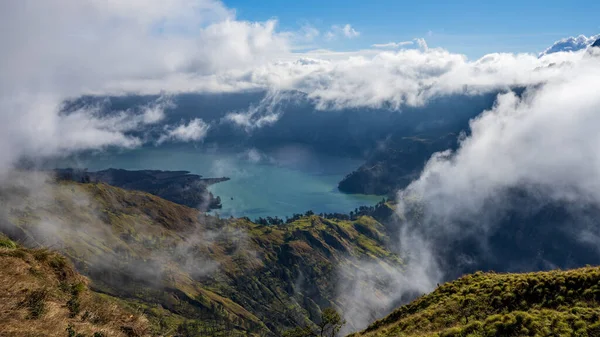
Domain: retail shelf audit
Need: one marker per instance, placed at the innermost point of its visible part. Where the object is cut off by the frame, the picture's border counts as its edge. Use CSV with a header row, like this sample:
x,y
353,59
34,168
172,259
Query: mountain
x,y
555,303
570,44
177,186
400,157
186,271
42,295
193,274
597,43
395,166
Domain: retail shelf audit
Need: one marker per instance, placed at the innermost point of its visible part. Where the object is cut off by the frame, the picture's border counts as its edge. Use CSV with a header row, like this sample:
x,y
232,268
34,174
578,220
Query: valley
x,y
234,168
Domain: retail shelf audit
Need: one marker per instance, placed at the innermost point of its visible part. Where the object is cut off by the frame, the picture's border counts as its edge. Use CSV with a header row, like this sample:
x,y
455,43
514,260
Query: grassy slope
x,y
41,295
178,265
555,303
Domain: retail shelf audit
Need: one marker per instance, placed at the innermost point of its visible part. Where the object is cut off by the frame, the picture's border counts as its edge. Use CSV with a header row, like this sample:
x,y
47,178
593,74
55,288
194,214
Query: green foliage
x,y
330,324
74,306
556,303
7,243
74,303
299,332
41,255
259,278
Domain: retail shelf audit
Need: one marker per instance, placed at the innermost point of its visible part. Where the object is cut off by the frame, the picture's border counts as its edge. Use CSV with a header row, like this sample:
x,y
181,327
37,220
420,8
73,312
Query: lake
x,y
279,183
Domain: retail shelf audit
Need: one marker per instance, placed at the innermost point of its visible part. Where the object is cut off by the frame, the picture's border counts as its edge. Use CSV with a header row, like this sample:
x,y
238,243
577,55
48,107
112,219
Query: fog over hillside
x,y
110,75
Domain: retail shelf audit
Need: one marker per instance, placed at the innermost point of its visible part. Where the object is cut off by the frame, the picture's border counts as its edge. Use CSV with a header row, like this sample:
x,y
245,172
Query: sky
x,y
473,28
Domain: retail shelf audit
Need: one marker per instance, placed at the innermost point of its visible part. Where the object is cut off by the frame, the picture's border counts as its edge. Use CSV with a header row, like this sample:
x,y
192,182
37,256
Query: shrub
x,y
36,303
7,243
41,254
74,304
72,333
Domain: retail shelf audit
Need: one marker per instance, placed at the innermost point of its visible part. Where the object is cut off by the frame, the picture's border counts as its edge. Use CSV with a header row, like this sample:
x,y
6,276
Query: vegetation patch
x,y
555,303
36,303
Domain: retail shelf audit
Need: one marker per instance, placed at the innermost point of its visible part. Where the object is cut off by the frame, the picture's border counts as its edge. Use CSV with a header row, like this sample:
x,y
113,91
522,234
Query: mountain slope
x,y
42,295
180,266
401,154
555,303
177,186
396,166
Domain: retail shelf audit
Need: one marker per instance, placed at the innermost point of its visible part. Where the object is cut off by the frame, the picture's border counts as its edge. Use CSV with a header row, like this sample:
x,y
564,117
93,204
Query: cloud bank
x,y
55,50
59,50
528,153
570,44
545,138
195,130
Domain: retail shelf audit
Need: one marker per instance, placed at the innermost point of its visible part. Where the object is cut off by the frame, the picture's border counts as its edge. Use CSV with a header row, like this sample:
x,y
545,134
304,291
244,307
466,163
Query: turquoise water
x,y
285,181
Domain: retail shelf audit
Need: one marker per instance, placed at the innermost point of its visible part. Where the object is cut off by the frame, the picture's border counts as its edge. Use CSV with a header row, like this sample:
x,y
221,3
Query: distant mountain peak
x,y
572,44
597,43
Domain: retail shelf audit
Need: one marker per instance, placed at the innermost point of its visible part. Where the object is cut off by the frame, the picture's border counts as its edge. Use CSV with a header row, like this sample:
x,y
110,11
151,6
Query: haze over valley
x,y
227,168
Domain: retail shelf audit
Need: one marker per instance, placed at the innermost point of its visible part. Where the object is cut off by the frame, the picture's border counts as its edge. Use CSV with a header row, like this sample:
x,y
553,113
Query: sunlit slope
x,y
185,270
555,303
42,295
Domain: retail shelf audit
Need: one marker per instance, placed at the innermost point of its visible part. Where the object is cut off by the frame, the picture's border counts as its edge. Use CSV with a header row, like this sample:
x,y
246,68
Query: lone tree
x,y
330,324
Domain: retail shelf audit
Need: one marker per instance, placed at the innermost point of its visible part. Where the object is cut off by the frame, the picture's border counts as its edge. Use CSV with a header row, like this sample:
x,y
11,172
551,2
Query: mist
x,y
520,193
82,76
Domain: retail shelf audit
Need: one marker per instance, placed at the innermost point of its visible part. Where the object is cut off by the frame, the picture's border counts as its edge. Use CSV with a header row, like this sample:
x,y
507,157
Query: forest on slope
x,y
554,303
188,271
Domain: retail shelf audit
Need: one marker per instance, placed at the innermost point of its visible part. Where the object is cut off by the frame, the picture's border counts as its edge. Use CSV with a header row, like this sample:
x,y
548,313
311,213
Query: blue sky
x,y
470,27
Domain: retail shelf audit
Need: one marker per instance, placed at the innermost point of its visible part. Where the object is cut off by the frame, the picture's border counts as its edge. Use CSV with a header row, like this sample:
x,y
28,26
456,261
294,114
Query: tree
x,y
330,325
331,322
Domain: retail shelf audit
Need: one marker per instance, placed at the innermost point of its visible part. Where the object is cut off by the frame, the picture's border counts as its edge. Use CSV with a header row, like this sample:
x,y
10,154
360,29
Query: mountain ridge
x,y
180,266
490,304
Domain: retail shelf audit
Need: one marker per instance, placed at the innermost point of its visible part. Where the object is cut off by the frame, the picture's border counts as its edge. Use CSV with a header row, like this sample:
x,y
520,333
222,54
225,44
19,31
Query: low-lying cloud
x,y
195,130
530,152
200,46
544,138
57,50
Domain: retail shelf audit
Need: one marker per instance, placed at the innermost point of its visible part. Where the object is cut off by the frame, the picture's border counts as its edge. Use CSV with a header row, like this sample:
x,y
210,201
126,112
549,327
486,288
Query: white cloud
x,y
57,50
341,31
547,138
393,45
53,50
544,143
195,130
308,32
266,112
422,43
570,44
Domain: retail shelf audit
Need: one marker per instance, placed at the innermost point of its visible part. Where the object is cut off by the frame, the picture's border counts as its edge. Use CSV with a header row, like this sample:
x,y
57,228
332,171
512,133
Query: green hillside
x,y
191,273
555,303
